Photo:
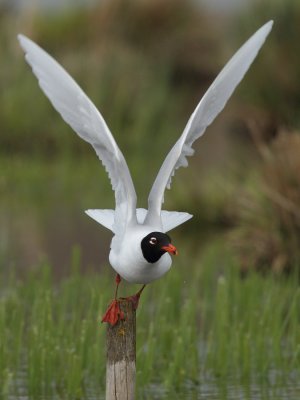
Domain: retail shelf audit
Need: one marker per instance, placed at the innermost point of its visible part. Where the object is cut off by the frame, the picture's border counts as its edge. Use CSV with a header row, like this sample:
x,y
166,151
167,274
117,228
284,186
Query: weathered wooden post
x,y
121,355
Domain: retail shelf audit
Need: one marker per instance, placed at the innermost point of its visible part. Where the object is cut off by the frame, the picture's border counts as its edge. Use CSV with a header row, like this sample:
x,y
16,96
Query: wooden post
x,y
121,355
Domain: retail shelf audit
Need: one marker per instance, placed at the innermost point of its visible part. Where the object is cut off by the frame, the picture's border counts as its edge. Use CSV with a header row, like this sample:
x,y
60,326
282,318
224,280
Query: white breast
x,y
128,260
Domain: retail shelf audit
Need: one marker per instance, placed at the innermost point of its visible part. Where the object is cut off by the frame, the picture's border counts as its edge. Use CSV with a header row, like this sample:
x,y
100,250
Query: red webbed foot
x,y
135,298
113,313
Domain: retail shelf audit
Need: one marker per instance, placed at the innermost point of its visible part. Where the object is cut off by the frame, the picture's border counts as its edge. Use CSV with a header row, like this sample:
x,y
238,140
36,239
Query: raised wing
x,y
81,114
209,107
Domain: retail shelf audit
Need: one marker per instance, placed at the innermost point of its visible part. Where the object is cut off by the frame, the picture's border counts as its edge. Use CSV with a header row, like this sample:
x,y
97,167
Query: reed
x,y
202,320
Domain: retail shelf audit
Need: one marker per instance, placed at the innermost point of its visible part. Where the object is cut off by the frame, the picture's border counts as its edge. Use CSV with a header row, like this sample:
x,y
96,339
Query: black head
x,y
155,245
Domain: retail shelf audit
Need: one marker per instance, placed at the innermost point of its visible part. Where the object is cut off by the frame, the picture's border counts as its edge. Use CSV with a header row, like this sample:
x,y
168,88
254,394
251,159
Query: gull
x,y
141,248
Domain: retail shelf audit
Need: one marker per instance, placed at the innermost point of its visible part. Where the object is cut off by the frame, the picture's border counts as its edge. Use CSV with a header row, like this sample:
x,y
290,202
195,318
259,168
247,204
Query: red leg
x,y
114,313
136,297
118,280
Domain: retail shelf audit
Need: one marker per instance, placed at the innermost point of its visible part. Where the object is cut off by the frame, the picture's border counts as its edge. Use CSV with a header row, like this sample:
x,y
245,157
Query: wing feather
x,y
206,111
80,113
170,219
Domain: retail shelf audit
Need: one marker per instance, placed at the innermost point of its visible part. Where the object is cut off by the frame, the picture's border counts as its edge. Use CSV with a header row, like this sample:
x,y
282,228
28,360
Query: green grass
x,y
201,322
202,325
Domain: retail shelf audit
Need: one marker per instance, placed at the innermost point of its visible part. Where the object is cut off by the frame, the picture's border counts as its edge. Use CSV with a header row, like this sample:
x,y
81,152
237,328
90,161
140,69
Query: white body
x,y
128,261
129,224
126,255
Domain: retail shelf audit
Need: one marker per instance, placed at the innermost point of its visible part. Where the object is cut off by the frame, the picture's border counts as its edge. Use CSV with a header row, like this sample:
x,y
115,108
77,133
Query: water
x,y
210,388
28,236
275,385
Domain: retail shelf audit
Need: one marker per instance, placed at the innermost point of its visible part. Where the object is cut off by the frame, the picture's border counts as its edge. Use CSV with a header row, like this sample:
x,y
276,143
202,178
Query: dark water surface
x,y
27,238
209,389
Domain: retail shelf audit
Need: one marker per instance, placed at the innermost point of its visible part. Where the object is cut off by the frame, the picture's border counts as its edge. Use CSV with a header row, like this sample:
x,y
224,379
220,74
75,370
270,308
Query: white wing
x,y
103,217
170,219
81,114
209,107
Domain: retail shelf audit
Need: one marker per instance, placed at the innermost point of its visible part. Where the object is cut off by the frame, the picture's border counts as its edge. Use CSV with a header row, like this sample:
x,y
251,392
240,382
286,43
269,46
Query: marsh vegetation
x,y
224,323
202,328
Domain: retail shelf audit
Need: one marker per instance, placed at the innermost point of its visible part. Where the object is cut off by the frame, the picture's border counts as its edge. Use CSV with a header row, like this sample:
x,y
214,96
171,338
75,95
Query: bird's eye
x,y
153,240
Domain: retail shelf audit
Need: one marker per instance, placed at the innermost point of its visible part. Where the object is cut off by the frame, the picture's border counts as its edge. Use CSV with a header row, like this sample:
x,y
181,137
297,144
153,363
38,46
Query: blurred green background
x,y
146,64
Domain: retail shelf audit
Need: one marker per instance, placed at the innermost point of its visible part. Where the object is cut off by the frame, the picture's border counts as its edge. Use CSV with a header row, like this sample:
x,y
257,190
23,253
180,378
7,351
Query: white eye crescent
x,y
153,241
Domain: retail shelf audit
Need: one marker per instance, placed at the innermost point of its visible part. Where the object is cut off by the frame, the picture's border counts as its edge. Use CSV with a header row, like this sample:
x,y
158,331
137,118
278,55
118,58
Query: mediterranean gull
x,y
140,249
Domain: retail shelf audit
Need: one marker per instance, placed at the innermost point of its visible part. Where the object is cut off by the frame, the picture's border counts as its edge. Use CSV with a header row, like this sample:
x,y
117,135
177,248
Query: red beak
x,y
170,249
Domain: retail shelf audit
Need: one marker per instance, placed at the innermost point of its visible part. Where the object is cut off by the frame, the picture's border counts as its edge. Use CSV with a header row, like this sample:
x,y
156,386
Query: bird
x,y
141,249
